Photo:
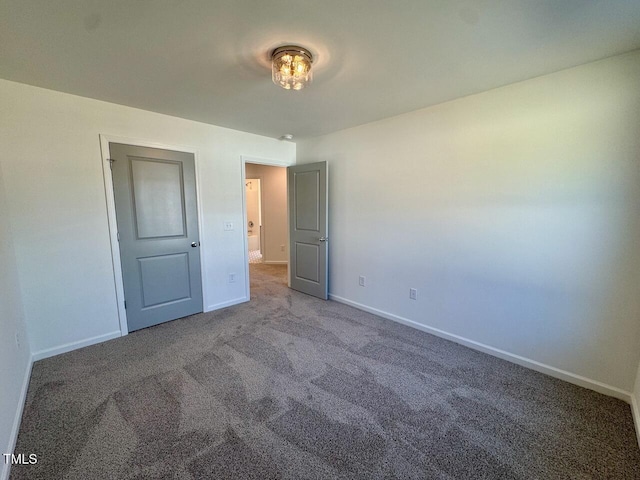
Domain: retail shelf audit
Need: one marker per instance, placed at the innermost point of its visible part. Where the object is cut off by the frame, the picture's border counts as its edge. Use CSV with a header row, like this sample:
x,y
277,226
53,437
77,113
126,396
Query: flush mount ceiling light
x,y
291,67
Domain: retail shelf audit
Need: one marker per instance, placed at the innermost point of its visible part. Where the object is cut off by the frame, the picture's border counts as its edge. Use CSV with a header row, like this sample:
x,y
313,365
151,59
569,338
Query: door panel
x,y
158,199
164,279
307,185
157,220
307,194
307,257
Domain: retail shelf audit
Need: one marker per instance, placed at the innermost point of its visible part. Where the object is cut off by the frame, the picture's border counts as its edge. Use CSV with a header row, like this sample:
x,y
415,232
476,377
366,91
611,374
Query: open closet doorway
x,y
266,214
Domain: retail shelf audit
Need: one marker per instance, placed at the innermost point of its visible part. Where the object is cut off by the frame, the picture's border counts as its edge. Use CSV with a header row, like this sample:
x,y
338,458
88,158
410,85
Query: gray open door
x,y
308,228
156,213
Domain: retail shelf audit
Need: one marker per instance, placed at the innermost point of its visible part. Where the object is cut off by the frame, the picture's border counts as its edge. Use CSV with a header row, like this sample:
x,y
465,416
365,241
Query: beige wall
x,y
514,213
274,210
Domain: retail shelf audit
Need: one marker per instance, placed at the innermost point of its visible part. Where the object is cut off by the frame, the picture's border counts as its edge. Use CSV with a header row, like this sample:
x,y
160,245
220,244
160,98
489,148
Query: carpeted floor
x,y
288,386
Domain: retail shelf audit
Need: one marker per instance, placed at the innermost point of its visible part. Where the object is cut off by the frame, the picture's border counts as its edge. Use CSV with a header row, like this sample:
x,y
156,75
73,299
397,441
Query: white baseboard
x,y
13,437
67,347
517,359
229,303
635,411
275,262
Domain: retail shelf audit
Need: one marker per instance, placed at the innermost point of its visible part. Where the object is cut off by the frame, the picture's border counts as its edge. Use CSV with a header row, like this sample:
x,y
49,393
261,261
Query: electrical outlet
x,y
362,280
232,278
228,226
413,293
282,248
18,343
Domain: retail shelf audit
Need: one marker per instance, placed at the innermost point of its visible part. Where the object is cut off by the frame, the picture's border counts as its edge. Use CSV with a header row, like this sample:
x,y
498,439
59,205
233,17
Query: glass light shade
x,y
291,67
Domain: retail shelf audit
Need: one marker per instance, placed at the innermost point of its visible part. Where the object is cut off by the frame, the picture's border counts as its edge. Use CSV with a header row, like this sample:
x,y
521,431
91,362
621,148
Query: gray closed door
x,y
308,228
156,213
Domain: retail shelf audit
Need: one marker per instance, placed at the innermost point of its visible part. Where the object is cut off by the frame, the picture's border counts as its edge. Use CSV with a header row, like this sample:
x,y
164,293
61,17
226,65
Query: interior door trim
x,y
111,216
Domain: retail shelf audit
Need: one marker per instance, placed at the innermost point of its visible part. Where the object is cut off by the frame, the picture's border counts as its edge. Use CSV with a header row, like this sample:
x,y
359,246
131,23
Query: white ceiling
x,y
207,60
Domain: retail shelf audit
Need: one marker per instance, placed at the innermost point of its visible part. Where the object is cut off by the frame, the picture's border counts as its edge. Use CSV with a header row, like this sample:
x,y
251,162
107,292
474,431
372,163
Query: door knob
x,y
195,244
323,239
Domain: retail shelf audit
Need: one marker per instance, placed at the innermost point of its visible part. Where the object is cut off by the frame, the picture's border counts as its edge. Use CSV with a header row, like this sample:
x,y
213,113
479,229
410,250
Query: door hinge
x,y
125,304
111,160
118,235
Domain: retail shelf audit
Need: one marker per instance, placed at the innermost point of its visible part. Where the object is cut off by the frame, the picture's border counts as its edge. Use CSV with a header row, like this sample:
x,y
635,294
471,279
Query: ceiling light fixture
x,y
291,67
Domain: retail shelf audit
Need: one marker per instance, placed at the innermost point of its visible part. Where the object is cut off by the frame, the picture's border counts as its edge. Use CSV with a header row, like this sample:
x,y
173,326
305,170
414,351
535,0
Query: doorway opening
x,y
266,209
293,223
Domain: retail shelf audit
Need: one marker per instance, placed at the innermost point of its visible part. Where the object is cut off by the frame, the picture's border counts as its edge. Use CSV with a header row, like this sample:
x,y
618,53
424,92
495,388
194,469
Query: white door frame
x,y
111,215
244,159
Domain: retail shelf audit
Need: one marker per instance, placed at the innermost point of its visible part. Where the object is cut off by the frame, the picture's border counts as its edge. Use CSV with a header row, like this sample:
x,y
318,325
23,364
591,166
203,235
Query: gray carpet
x,y
288,386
